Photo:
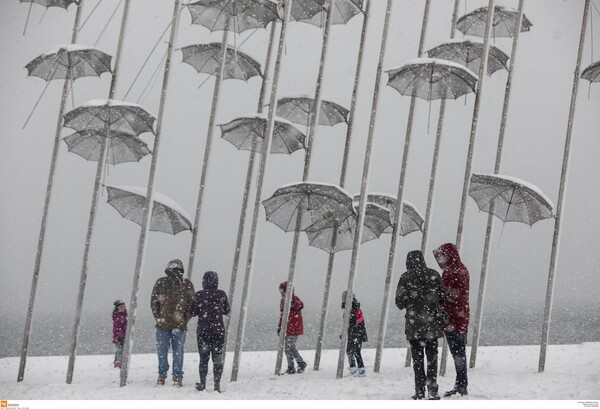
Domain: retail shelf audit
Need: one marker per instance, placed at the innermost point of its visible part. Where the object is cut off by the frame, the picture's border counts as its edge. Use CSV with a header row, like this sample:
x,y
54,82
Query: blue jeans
x,y
457,343
170,338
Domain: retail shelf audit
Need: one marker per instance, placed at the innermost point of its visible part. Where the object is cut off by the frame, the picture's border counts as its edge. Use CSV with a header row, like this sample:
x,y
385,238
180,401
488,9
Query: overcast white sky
x,y
533,151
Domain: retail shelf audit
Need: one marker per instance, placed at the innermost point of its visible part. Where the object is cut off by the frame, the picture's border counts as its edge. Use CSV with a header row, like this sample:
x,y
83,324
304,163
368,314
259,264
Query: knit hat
x,y
173,264
118,302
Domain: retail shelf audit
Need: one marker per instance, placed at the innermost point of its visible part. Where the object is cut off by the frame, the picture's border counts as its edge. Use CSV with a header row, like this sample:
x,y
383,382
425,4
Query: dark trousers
x,y
291,352
457,343
418,355
353,348
211,344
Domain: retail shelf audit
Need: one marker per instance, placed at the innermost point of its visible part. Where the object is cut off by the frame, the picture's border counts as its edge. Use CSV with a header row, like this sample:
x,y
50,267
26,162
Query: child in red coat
x,y
119,316
295,327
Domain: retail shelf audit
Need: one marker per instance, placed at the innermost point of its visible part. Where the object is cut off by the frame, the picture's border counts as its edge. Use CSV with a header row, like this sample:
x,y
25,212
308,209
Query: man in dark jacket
x,y
420,291
209,305
170,303
456,280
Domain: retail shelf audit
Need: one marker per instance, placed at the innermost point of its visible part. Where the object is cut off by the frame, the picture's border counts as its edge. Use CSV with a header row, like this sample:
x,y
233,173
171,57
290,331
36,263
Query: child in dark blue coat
x,y
357,334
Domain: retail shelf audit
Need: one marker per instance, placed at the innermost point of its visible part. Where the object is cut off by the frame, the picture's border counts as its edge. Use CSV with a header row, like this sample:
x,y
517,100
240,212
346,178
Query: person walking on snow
x,y
119,317
456,280
170,302
420,291
209,305
357,334
295,327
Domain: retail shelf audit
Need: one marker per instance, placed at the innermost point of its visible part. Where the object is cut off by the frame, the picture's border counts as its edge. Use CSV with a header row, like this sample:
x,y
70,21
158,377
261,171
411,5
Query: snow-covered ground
x,y
502,373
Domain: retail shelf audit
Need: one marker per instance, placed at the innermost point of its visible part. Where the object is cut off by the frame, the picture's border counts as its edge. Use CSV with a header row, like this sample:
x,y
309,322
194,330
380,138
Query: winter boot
x,y
290,371
200,386
419,394
178,383
161,380
301,366
361,372
433,392
218,387
352,370
456,390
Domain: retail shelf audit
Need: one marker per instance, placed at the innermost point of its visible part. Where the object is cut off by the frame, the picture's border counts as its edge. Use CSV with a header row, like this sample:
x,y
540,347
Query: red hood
x,y
450,252
285,285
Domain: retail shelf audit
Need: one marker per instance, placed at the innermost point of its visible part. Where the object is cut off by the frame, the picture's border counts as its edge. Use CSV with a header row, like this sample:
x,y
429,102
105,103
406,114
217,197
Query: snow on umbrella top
x,y
205,58
430,78
411,220
314,11
298,110
122,147
515,200
246,133
73,61
503,25
592,72
246,14
306,200
320,233
64,4
167,215
102,113
469,53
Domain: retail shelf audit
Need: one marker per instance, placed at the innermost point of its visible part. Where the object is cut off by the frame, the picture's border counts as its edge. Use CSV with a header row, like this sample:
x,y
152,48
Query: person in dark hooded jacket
x,y
170,302
209,305
456,280
420,291
357,334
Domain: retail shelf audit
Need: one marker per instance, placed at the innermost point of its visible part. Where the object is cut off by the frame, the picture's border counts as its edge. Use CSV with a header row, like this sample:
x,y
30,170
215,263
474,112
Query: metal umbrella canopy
x,y
514,200
592,72
468,53
431,78
69,62
411,220
314,11
299,109
343,226
122,147
206,59
305,201
503,25
110,115
247,134
64,4
167,215
247,14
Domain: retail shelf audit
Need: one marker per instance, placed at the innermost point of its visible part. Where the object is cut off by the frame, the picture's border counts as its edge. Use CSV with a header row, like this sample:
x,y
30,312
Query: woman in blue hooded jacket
x,y
209,305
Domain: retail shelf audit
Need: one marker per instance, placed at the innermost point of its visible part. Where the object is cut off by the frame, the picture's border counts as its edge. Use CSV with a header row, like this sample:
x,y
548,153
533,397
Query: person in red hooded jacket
x,y
455,277
295,327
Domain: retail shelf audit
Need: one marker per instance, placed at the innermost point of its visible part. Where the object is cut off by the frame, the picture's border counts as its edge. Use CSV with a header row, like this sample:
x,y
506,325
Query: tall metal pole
x,y
94,205
363,194
266,146
561,196
398,210
490,220
314,117
40,246
444,357
475,119
139,264
350,129
207,147
246,197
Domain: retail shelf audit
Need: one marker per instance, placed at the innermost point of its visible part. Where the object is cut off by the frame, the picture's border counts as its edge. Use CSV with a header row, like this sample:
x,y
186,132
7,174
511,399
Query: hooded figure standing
x,y
170,302
209,305
456,280
420,291
357,334
295,327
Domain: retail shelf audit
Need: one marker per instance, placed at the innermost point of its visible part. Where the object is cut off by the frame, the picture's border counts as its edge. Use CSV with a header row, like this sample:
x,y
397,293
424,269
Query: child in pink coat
x,y
119,316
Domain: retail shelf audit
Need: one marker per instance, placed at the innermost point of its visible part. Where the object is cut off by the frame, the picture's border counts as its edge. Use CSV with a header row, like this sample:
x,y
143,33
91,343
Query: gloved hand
x,y
278,330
